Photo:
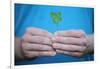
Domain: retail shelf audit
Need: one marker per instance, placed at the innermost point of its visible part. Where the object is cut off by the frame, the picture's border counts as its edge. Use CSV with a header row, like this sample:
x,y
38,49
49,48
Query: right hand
x,y
37,42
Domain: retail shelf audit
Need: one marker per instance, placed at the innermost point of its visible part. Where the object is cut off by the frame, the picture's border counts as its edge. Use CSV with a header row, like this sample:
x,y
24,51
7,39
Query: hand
x,y
71,42
37,42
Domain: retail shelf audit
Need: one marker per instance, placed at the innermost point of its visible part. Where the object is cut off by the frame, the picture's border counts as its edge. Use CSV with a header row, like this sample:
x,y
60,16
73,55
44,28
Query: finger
x,y
36,47
75,54
38,32
72,48
31,54
70,40
71,33
37,39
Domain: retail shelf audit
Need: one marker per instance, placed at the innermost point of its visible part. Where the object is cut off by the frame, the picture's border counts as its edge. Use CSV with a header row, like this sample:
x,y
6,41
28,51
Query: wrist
x,y
90,45
18,50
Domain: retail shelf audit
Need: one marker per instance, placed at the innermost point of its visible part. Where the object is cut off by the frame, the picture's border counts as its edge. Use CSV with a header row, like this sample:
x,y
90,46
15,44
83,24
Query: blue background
x,y
27,15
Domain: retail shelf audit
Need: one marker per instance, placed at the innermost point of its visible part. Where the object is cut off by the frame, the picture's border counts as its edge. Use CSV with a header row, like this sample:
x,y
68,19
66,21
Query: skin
x,y
35,42
72,42
38,42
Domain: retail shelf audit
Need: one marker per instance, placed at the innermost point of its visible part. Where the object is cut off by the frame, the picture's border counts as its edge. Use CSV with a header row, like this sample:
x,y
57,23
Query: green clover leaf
x,y
56,17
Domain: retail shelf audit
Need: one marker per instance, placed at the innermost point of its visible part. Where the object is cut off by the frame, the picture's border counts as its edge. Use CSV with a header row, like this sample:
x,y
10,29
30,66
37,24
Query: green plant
x,y
56,16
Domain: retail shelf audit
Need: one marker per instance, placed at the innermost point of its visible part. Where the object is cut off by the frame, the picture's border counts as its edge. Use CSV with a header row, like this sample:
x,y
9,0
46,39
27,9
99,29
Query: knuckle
x,y
24,49
85,41
25,37
82,33
25,46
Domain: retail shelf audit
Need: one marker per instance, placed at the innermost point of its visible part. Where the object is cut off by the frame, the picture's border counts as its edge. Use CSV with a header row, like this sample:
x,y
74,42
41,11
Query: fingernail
x,y
53,54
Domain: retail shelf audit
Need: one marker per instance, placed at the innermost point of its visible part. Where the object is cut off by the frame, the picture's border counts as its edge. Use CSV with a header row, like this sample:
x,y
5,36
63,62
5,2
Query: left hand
x,y
71,42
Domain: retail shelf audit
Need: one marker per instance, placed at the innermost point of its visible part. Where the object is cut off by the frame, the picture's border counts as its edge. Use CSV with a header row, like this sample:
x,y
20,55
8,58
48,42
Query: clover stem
x,y
57,26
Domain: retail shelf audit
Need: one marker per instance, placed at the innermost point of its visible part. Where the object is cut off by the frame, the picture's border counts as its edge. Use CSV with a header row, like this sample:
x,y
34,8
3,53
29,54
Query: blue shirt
x,y
27,15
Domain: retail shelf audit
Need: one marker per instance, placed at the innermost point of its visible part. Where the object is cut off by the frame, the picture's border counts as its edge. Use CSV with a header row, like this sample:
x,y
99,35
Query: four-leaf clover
x,y
56,17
